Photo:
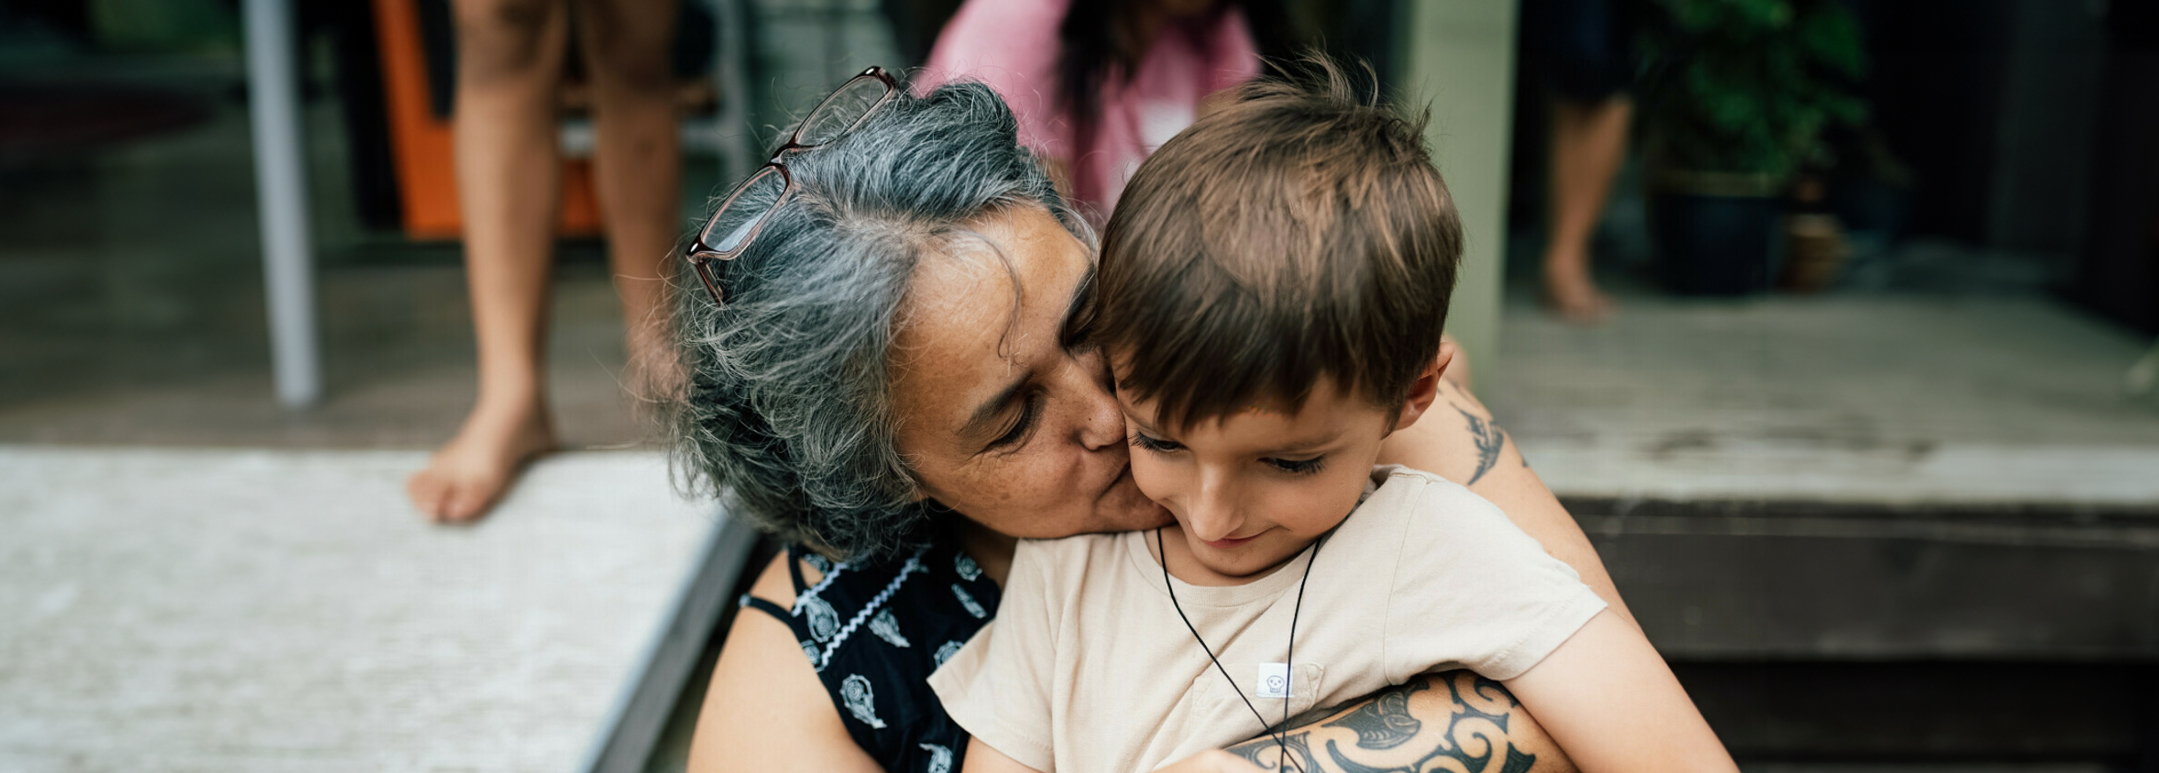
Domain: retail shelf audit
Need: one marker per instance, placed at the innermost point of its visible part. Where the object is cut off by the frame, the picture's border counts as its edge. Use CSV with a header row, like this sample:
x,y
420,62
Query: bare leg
x,y
510,55
1588,143
638,164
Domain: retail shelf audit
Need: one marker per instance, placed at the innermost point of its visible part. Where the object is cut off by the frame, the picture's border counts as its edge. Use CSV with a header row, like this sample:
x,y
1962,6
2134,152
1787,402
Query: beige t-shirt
x,y
1087,667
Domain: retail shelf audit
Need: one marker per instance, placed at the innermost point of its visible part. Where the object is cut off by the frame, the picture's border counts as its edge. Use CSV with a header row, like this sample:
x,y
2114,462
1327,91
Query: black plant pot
x,y
1716,245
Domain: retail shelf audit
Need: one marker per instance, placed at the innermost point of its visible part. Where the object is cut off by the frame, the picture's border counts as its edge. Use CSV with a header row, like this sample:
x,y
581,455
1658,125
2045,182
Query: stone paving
x,y
179,610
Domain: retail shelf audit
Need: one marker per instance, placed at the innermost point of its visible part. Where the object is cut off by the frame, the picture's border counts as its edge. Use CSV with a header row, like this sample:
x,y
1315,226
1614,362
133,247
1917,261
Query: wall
x,y
1458,55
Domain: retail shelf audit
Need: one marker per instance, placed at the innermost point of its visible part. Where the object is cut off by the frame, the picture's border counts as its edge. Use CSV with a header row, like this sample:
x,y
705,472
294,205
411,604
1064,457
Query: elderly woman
x,y
888,366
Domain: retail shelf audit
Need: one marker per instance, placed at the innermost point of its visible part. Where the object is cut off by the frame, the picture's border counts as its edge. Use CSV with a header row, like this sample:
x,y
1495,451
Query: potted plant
x,y
1739,93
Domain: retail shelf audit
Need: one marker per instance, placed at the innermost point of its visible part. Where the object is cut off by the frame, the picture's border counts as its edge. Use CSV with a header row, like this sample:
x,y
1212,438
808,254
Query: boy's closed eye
x,y
1155,444
1308,466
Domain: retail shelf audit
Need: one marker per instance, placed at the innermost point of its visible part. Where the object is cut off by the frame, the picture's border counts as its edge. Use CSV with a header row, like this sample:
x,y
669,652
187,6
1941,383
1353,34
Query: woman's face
x,y
1004,415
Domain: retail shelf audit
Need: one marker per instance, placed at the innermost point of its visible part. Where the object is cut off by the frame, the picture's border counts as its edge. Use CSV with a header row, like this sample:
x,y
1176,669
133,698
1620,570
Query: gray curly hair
x,y
786,411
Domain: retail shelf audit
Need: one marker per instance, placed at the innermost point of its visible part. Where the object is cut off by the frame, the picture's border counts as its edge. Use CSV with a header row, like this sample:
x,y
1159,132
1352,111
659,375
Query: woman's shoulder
x,y
874,630
763,709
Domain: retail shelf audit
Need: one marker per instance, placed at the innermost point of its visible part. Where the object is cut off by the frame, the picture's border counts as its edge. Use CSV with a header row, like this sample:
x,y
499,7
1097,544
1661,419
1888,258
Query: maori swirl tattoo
x,y
1384,737
1384,723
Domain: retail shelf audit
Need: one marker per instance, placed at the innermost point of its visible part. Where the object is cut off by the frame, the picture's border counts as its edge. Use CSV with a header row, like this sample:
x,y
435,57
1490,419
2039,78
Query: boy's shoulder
x,y
1415,505
1394,485
1067,562
1382,474
1075,546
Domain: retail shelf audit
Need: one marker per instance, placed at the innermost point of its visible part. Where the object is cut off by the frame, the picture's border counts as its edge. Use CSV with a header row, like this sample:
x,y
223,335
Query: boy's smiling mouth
x,y
1231,542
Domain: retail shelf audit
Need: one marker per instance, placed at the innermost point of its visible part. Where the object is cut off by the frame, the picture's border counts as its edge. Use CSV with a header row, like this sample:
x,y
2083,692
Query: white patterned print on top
x,y
968,600
944,653
855,692
914,564
823,620
817,660
817,562
967,567
887,628
830,577
940,758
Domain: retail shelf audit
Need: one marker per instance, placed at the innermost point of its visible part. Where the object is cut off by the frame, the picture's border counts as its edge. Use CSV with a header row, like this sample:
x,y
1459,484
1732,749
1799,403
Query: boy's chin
x,y
1243,561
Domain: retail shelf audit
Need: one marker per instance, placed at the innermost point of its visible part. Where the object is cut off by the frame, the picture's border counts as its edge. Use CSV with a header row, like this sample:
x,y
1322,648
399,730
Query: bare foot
x,y
1575,297
469,474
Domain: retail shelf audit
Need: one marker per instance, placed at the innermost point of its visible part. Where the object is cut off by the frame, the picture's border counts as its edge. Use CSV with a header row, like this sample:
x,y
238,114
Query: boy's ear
x,y
1425,390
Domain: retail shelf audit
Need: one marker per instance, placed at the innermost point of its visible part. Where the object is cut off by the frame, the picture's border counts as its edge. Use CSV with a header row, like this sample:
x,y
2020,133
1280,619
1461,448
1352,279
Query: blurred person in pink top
x,y
1098,86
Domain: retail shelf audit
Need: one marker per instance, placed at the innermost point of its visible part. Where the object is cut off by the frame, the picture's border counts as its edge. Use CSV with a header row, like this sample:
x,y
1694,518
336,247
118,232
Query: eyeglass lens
x,y
839,112
738,217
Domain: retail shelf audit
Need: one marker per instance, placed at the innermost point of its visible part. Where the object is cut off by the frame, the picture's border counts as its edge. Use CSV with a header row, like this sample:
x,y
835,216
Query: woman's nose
x,y
1101,422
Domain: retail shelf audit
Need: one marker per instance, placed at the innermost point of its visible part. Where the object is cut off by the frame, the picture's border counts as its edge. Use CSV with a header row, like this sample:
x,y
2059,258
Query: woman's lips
x,y
1123,475
1143,513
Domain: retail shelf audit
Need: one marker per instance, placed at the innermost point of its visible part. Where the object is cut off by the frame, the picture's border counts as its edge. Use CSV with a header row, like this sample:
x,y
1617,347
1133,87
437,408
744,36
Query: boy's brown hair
x,y
1298,232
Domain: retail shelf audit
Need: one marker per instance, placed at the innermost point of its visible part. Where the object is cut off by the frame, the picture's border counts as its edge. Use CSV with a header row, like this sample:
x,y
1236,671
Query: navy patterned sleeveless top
x,y
875,630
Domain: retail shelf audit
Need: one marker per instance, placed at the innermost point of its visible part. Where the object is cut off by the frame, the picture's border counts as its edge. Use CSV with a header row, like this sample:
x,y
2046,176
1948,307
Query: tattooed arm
x,y
1456,721
1458,440
1606,695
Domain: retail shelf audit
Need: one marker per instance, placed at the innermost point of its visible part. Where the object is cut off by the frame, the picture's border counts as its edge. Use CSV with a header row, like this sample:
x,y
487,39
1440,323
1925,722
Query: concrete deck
x,y
1858,399
285,611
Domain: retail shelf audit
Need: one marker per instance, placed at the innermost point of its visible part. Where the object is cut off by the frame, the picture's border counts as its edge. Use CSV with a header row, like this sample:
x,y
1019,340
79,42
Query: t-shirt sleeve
x,y
1010,46
999,685
1472,590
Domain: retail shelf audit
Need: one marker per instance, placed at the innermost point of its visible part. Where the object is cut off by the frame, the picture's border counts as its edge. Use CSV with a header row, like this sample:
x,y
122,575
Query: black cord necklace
x,y
1281,737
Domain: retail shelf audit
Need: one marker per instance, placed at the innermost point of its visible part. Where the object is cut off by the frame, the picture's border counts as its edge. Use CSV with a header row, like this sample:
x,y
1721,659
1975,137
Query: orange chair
x,y
421,147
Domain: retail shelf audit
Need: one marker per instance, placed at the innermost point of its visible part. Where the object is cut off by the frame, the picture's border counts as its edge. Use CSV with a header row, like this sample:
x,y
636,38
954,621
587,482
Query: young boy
x,y
1273,286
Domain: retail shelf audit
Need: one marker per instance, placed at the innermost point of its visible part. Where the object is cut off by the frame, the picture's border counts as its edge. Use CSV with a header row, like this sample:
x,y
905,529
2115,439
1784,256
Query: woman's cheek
x,y
1054,477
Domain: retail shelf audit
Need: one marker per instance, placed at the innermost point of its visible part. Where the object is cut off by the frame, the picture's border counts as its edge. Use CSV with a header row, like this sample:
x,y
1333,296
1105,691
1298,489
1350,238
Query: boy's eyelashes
x,y
1310,466
1157,445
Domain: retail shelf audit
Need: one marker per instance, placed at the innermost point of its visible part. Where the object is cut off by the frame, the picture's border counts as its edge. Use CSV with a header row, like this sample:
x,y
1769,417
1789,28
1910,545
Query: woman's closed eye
x,y
1022,426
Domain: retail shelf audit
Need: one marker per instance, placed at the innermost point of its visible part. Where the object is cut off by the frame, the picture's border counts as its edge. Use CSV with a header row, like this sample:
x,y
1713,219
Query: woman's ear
x,y
1425,390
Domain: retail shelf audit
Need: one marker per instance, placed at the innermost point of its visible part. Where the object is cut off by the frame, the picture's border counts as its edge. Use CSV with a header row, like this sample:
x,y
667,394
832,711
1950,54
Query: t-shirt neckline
x,y
1274,584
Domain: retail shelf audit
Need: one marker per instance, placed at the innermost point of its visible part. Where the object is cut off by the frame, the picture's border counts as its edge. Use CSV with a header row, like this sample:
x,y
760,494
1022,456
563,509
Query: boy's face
x,y
1251,489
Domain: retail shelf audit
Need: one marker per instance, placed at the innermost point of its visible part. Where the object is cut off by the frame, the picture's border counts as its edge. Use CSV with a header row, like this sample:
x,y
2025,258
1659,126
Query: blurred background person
x,y
510,65
1585,49
1099,86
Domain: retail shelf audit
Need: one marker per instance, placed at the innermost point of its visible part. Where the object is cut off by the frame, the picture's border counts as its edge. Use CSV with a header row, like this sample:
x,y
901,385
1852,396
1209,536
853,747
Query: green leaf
x,y
1830,36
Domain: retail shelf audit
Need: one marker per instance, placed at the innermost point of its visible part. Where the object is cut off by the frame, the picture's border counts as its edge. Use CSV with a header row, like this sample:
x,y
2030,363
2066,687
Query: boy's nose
x,y
1213,514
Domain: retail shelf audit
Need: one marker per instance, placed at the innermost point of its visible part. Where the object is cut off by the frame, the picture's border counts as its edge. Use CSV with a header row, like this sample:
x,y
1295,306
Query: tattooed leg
x,y
1456,722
